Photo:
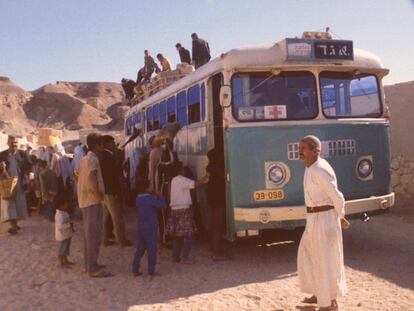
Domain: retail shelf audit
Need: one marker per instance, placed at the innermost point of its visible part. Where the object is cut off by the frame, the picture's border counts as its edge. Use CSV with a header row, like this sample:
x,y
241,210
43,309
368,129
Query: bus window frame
x,y
380,101
190,103
163,113
149,119
203,101
315,80
156,117
182,94
174,104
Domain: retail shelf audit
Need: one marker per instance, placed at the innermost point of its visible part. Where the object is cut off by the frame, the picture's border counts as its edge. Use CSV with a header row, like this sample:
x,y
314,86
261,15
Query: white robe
x,y
320,256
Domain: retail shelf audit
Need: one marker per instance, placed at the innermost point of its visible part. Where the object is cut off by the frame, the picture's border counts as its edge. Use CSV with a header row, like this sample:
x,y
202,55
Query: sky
x,y
44,41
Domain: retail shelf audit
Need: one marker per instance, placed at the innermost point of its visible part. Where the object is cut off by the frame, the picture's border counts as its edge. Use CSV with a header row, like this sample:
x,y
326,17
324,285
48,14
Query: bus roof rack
x,y
160,81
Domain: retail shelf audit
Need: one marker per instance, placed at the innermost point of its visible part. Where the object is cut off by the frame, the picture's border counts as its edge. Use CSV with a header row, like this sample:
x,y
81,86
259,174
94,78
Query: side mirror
x,y
225,96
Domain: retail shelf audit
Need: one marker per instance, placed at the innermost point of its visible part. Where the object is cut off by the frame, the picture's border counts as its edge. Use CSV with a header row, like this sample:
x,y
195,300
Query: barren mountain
x,y
63,105
13,118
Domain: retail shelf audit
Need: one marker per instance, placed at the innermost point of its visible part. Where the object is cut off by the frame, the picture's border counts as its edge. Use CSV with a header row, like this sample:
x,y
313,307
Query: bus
x,y
254,105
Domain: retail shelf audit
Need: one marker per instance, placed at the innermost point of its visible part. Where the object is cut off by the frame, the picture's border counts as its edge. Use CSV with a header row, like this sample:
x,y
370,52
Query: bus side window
x,y
156,117
149,119
203,102
182,108
138,120
163,113
194,113
171,112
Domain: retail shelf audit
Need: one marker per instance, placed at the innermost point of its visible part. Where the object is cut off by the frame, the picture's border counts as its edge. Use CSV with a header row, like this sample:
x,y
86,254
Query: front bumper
x,y
269,214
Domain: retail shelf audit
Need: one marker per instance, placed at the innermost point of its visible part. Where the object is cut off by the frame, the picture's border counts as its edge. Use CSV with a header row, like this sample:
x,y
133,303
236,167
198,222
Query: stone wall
x,y
400,100
402,176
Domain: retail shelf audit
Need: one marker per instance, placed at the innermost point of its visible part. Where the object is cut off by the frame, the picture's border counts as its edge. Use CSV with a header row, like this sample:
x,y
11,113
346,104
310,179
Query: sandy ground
x,y
379,258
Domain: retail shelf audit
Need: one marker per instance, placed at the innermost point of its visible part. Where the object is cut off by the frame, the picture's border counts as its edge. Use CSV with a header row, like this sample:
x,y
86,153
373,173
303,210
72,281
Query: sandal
x,y
312,300
12,231
100,274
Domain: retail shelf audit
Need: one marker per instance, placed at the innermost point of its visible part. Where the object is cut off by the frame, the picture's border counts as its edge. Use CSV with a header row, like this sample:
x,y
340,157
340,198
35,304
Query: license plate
x,y
269,195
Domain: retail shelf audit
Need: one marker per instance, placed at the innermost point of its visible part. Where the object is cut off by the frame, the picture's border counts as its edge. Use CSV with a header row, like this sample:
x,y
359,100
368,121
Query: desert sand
x,y
379,258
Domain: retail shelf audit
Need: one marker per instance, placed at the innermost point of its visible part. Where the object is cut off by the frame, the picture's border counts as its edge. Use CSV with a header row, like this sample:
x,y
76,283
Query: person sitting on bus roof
x,y
165,62
184,54
201,51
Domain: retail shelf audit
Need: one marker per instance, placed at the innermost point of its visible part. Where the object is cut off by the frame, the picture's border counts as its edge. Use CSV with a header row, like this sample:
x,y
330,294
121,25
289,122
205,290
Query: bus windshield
x,y
347,95
265,96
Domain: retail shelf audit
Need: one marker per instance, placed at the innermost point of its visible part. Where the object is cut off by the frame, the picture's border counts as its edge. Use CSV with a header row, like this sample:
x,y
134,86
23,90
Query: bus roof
x,y
260,57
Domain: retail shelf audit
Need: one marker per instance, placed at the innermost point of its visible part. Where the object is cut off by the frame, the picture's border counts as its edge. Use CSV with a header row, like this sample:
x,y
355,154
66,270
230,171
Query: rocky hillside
x,y
13,118
63,105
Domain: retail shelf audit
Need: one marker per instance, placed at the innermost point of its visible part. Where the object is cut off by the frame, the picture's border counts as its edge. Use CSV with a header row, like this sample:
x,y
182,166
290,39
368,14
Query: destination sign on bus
x,y
308,49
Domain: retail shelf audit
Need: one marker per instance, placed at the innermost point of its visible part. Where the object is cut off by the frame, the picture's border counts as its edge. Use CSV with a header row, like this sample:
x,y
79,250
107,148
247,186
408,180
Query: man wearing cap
x,y
320,257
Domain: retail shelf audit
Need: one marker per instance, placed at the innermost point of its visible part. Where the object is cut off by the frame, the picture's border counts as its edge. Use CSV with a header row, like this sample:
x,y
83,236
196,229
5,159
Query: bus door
x,y
218,140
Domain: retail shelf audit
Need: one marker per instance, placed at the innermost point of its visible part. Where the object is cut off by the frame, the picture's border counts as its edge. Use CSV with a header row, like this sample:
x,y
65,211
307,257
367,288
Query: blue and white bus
x,y
255,104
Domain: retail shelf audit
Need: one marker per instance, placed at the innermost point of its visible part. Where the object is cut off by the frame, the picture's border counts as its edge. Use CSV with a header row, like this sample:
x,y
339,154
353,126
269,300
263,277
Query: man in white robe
x,y
320,256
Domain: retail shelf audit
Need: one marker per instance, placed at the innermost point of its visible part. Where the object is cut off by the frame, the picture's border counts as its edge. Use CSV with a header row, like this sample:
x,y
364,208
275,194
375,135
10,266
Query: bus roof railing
x,y
159,82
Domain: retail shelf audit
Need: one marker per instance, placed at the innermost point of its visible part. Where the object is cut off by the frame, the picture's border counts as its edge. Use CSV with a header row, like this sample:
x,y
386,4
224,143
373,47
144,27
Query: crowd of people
x,y
92,185
199,56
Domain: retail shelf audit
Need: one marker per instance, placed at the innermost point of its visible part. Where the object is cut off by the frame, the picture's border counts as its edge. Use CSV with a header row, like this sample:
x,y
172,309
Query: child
x,y
147,204
63,226
180,224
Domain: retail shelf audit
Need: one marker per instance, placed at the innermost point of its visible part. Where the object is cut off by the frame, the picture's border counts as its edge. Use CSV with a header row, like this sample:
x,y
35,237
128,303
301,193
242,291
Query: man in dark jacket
x,y
201,51
111,172
17,165
128,86
184,54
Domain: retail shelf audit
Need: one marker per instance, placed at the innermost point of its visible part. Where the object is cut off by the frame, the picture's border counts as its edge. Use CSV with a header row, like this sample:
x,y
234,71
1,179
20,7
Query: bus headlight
x,y
364,168
277,174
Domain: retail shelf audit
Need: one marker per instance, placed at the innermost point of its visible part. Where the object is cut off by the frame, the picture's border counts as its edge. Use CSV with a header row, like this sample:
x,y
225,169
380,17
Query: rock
x,y
400,189
395,163
395,179
410,188
405,179
35,247
407,170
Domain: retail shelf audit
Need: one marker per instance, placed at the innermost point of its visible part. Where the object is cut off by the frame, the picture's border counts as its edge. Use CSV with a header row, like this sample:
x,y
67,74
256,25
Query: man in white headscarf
x,y
78,154
320,258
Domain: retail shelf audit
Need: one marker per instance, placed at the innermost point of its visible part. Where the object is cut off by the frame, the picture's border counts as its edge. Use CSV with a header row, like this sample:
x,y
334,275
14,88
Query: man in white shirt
x,y
320,257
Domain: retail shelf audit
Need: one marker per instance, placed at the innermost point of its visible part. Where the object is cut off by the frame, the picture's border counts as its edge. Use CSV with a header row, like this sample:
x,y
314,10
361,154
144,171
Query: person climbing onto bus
x,y
200,52
184,54
150,66
128,87
180,225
